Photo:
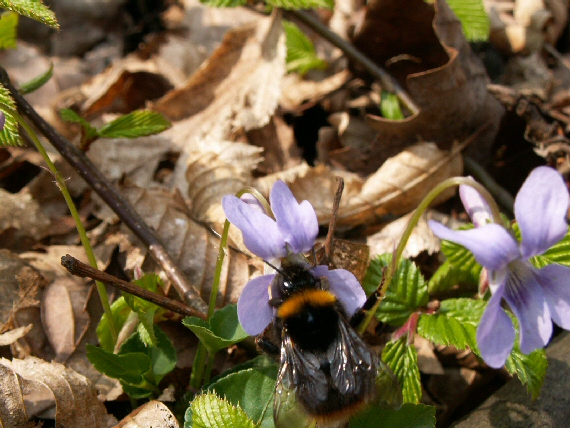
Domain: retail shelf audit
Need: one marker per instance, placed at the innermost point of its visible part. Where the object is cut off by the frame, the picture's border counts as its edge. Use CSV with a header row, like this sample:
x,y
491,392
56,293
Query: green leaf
x,y
162,356
8,30
121,312
36,82
301,53
473,17
143,308
390,106
301,4
558,253
252,389
408,416
135,124
129,367
34,9
447,276
531,369
455,323
71,116
406,293
211,411
460,257
9,136
222,331
402,358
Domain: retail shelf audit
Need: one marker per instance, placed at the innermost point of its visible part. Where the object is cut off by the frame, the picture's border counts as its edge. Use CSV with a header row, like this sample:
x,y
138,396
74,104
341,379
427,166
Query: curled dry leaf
x,y
11,336
423,46
395,189
192,246
75,401
152,414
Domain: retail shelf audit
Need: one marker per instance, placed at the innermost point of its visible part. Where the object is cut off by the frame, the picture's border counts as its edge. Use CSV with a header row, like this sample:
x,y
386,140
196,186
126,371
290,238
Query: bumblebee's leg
x,y
268,341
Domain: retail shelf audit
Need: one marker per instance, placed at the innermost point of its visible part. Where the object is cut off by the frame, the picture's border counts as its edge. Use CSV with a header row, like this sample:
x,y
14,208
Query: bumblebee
x,y
327,372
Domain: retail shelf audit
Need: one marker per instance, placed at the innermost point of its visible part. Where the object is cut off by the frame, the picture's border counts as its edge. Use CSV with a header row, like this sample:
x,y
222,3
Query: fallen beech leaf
x,y
151,414
193,248
75,400
12,407
23,213
297,91
58,319
427,52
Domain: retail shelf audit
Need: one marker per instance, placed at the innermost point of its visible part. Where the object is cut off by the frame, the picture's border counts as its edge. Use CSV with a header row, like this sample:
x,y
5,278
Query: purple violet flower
x,y
293,231
535,296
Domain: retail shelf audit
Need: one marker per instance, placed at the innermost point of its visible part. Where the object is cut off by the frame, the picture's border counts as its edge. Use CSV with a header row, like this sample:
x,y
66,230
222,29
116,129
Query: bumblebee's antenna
x,y
281,271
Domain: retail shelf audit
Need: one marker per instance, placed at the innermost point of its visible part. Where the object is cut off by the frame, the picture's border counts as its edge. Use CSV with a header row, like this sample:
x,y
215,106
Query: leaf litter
x,y
238,120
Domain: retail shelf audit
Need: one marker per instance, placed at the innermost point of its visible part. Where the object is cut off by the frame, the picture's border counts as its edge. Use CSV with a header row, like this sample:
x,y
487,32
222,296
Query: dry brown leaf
x,y
421,239
427,52
22,212
297,91
151,414
12,406
75,400
193,248
428,362
11,336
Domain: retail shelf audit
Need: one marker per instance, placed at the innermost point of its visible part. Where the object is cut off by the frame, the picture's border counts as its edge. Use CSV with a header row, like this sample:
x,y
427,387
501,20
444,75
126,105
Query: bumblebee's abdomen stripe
x,y
295,304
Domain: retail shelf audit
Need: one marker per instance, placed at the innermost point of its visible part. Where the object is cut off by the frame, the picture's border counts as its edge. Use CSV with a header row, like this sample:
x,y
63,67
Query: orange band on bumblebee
x,y
294,304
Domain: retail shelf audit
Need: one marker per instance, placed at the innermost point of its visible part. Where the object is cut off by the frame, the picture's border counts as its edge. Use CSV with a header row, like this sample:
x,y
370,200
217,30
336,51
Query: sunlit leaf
x,y
34,9
301,4
211,411
402,358
8,27
135,124
301,53
473,18
36,82
390,106
530,369
9,136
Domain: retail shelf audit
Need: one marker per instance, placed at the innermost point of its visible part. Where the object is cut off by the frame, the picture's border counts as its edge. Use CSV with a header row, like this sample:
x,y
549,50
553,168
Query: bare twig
x,y
332,222
354,54
111,196
77,268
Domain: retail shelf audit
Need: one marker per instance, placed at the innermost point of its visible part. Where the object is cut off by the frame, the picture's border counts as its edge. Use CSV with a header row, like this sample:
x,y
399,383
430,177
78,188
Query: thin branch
x,y
332,222
354,54
77,268
84,167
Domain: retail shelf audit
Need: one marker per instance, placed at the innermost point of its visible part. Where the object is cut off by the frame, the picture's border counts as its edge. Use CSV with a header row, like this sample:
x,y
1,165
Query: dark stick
x,y
354,54
332,222
80,163
77,268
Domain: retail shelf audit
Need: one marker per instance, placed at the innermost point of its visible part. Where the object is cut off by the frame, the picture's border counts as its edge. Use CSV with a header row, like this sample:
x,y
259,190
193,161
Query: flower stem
x,y
422,207
73,210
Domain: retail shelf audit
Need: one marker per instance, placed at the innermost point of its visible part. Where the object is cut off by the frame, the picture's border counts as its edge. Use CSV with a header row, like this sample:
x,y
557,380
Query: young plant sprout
x,y
535,296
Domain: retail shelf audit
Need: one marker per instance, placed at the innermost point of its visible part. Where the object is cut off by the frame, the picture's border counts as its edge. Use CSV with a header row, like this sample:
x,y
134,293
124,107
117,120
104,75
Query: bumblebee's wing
x,y
297,371
357,369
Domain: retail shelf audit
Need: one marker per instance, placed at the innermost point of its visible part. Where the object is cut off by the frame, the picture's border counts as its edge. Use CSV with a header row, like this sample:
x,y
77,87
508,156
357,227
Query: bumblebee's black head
x,y
293,278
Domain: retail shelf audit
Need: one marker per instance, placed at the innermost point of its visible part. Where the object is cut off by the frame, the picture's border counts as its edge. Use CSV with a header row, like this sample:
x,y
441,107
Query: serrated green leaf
x,y
129,367
390,106
34,9
402,358
301,4
406,293
71,116
447,276
135,124
222,331
558,253
8,30
211,411
223,3
9,136
455,323
460,257
162,356
252,388
530,369
301,53
473,17
36,82
408,416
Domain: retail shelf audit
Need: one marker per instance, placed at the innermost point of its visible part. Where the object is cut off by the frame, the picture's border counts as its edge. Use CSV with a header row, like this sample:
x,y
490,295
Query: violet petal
x,y
526,299
495,334
254,312
540,210
297,223
475,205
347,289
492,246
555,282
260,233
